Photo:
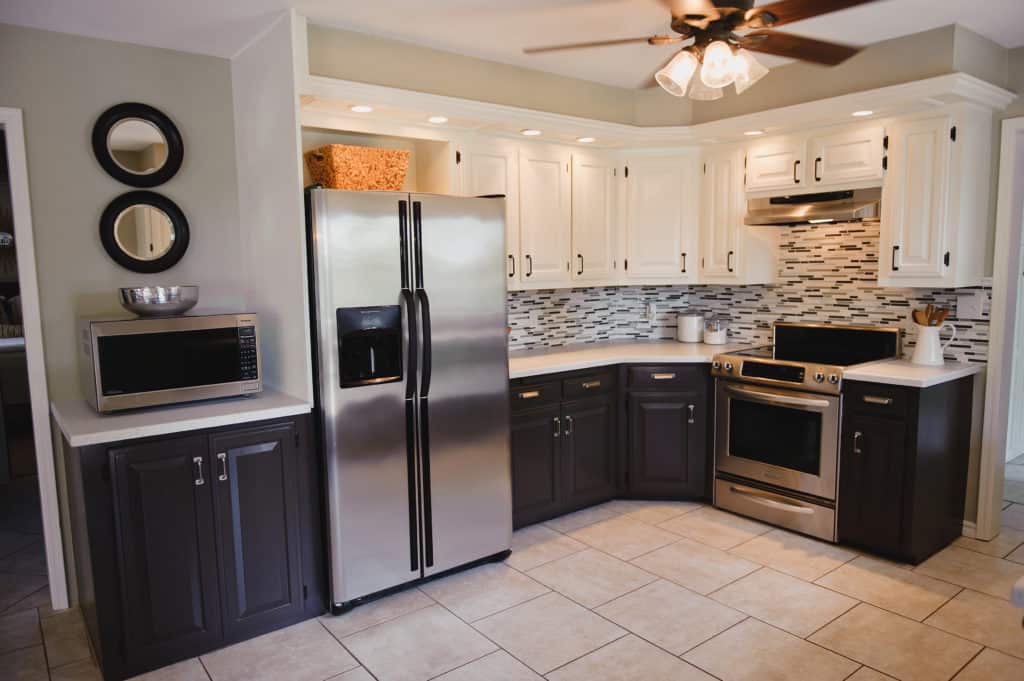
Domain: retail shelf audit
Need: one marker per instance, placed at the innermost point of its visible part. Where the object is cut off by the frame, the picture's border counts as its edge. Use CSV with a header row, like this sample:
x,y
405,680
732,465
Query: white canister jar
x,y
690,327
716,331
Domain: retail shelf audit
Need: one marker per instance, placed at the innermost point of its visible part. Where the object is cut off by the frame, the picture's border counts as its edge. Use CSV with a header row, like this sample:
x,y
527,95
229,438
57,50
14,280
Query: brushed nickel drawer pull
x,y
873,399
587,385
529,394
662,377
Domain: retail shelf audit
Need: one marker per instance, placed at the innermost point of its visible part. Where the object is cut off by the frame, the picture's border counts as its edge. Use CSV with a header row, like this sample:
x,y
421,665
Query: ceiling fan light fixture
x,y
747,70
703,93
675,76
717,71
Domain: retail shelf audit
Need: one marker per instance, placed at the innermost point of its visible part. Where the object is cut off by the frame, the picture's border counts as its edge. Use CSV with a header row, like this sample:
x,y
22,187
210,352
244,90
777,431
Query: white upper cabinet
x,y
731,252
776,164
593,219
661,220
544,216
851,158
935,200
492,168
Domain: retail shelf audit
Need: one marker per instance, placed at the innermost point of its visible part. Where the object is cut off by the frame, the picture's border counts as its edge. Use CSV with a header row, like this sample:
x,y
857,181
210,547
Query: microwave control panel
x,y
248,361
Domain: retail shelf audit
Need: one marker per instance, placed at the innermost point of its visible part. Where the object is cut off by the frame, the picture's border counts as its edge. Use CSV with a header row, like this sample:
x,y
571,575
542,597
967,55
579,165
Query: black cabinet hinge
x,y
952,133
885,163
945,259
458,157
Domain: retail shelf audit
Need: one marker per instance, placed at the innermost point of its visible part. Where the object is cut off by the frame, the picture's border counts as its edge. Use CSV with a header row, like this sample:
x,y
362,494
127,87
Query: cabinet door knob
x,y
856,442
223,458
197,461
691,408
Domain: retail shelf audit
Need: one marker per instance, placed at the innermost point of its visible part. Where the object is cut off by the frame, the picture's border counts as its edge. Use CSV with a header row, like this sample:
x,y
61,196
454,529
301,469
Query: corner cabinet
x,y
661,228
190,542
935,200
731,252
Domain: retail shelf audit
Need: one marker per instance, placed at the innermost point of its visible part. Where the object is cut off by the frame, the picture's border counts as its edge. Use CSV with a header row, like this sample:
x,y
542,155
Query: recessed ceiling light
x,y
864,112
438,119
753,133
586,140
821,221
361,108
530,132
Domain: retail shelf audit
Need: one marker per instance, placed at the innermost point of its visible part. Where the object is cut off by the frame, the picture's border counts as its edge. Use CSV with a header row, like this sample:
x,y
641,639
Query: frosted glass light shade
x,y
675,76
747,70
702,92
717,71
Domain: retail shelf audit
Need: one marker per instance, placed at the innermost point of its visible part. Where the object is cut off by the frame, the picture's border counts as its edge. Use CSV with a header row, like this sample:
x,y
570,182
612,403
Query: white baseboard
x,y
970,529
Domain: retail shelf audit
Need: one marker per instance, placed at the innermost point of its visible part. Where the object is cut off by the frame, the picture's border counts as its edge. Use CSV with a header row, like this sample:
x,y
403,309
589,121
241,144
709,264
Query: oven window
x,y
163,361
780,436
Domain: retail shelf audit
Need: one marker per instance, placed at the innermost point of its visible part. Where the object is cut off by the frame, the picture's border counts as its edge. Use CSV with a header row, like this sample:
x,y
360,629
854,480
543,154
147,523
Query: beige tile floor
x,y
629,591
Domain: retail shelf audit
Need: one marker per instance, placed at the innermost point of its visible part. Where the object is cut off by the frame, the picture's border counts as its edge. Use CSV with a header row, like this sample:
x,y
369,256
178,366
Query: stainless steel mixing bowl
x,y
159,301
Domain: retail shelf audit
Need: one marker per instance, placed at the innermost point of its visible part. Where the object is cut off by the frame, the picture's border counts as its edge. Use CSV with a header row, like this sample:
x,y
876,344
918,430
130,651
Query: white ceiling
x,y
491,29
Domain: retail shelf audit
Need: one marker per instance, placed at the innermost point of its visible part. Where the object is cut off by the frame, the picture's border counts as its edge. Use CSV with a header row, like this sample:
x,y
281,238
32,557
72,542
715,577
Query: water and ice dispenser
x,y
369,345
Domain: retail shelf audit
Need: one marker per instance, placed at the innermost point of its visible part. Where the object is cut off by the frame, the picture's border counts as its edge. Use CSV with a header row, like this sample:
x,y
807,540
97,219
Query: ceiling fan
x,y
719,36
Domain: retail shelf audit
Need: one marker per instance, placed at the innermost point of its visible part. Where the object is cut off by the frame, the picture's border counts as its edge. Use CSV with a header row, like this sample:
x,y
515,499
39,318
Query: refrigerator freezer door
x,y
372,519
463,406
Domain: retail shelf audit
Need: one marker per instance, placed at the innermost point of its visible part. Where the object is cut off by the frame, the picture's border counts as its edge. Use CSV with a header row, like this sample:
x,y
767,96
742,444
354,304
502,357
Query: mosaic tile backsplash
x,y
828,274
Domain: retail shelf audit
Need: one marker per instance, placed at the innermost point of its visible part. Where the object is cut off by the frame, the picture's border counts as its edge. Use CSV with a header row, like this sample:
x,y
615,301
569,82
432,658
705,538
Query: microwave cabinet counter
x,y
191,541
82,425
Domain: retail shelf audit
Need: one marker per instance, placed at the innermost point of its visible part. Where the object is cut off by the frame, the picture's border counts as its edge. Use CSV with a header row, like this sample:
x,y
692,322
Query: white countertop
x,y
83,426
902,372
587,355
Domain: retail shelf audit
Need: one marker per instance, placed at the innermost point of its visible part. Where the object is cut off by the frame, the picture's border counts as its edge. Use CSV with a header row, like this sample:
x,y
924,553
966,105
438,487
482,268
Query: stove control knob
x,y
728,366
716,364
833,378
819,377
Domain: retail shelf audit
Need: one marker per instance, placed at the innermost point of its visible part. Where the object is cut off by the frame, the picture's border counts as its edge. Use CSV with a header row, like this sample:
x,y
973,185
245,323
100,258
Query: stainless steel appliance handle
x,y
412,488
410,331
770,500
222,457
425,342
874,399
197,461
806,403
428,511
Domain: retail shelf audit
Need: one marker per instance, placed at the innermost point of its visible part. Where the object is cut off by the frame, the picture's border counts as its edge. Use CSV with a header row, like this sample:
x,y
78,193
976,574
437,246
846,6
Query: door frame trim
x,y
1006,288
49,501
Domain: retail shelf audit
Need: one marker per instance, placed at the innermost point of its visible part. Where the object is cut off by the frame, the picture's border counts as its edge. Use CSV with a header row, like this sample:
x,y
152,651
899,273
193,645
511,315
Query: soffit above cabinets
x,y
326,102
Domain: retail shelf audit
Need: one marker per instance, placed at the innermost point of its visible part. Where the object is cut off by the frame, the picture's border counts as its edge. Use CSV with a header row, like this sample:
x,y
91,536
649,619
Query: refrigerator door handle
x,y
425,341
410,330
428,516
417,227
410,460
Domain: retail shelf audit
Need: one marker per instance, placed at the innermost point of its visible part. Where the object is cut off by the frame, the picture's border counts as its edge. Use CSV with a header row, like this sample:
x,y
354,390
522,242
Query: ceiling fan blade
x,y
798,47
788,11
650,40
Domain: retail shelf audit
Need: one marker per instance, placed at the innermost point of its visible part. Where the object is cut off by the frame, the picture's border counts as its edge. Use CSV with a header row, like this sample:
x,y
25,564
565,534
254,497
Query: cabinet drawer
x,y
588,384
874,399
528,395
668,377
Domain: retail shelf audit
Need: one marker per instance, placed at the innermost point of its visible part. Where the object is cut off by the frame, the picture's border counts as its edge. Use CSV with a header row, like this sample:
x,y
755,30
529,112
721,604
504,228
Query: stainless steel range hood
x,y
842,206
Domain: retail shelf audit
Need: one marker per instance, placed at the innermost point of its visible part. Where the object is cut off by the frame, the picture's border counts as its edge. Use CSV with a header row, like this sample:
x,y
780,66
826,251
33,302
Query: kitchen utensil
x,y
690,327
919,318
930,348
159,301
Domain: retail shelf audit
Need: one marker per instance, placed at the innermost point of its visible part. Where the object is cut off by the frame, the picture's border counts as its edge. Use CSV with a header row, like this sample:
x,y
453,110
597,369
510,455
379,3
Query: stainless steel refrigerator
x,y
411,372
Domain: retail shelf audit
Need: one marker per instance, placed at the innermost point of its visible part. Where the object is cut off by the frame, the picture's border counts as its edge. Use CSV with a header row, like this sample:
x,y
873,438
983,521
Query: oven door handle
x,y
804,403
770,500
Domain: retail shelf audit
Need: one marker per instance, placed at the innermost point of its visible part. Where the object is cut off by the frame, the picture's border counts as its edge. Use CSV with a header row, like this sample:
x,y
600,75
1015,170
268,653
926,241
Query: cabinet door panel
x,y
166,549
914,199
536,476
871,483
257,517
493,169
722,206
589,457
545,217
667,444
776,164
660,232
845,157
592,219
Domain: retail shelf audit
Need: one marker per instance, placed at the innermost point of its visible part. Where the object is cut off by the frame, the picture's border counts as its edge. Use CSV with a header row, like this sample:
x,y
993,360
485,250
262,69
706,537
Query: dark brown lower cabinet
x,y
536,465
667,444
185,543
903,467
589,450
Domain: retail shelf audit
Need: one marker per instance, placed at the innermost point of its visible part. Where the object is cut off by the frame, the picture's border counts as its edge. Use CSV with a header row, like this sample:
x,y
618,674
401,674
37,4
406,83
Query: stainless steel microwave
x,y
126,364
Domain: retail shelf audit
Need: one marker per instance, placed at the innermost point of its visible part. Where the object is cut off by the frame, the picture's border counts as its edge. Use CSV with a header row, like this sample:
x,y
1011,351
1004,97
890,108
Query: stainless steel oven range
x,y
777,419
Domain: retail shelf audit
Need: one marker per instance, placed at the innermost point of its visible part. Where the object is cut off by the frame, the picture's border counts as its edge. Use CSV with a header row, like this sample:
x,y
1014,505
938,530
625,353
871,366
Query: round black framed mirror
x,y
144,231
137,144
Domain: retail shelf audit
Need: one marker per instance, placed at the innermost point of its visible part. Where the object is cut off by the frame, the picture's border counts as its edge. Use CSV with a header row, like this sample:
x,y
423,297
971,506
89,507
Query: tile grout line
x,y
359,663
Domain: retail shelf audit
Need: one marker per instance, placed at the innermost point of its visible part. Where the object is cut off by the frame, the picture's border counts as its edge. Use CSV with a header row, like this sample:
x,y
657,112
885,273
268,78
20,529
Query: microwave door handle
x,y
804,403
